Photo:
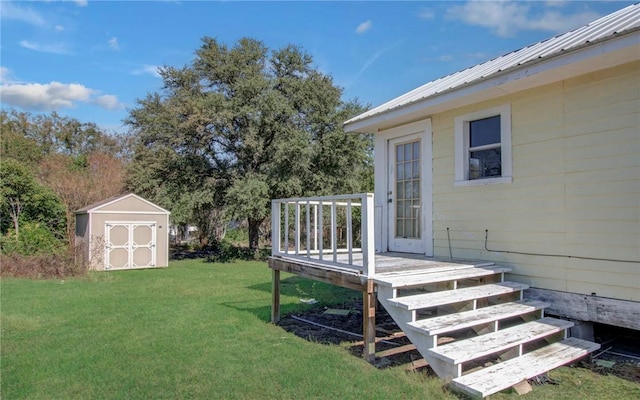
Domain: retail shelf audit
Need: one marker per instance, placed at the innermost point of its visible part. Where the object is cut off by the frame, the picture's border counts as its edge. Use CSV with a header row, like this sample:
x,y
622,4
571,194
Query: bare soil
x,y
619,354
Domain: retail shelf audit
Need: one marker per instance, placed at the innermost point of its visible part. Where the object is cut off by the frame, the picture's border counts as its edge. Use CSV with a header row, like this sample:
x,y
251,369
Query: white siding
x,y
575,190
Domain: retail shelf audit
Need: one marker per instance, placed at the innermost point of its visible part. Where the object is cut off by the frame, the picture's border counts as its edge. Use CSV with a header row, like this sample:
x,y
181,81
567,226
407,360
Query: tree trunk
x,y
16,209
254,234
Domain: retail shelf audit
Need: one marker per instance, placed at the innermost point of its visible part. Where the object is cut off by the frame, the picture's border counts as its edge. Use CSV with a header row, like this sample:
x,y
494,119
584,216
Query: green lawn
x,y
200,330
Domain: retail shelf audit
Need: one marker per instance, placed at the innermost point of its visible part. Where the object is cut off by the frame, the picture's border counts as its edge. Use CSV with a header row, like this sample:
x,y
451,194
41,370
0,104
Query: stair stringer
x,y
422,341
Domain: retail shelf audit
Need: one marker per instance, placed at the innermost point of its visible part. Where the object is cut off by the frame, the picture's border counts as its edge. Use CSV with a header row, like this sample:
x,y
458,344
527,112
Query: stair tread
x,y
455,296
480,346
440,276
490,380
466,319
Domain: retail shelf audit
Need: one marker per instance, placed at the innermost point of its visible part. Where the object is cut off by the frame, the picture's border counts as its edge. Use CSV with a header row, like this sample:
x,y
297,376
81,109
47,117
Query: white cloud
x,y
10,10
108,101
375,57
506,17
53,96
113,43
363,27
427,14
81,3
5,75
147,70
58,28
54,48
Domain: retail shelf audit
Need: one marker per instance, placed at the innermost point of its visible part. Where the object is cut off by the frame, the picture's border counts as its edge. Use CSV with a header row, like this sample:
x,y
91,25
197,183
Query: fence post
x,y
275,227
368,235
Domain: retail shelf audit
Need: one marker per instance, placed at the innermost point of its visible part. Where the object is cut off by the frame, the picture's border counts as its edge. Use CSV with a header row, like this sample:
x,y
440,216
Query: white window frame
x,y
461,127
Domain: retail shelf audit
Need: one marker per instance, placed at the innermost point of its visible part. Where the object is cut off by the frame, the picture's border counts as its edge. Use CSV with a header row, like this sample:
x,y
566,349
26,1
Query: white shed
x,y
123,232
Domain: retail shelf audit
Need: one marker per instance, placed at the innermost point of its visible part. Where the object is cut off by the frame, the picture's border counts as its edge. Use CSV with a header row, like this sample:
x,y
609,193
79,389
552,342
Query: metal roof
x,y
607,27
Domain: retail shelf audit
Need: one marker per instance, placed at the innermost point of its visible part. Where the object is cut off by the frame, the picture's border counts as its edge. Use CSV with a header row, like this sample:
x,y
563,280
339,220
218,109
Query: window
x,y
483,147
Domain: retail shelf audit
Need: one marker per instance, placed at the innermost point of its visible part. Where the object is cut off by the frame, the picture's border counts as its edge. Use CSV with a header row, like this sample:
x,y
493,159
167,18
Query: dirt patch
x,y
342,324
618,356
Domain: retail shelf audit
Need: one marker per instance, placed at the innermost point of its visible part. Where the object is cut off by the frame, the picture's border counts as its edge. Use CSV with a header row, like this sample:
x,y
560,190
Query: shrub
x,y
53,265
34,239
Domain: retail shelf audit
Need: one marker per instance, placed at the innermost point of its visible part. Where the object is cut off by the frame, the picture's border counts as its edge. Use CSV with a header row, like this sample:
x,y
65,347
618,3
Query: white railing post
x,y
334,231
320,232
368,235
349,232
275,227
315,227
297,228
286,227
308,228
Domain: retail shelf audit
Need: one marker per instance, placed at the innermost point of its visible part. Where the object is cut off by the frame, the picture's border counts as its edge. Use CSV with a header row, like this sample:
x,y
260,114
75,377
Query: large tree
x,y
245,125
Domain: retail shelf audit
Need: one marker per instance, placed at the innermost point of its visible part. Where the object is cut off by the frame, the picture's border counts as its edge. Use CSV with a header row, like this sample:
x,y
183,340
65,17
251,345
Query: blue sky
x,y
91,60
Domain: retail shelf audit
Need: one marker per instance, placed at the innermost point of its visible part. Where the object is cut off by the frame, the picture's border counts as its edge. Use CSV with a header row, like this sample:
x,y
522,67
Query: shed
x,y
123,232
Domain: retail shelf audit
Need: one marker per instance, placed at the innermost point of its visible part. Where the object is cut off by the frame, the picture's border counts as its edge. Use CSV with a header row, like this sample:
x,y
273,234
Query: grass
x,y
200,330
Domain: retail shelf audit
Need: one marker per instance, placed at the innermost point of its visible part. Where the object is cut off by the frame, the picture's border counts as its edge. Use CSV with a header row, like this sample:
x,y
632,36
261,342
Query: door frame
x,y
423,131
131,245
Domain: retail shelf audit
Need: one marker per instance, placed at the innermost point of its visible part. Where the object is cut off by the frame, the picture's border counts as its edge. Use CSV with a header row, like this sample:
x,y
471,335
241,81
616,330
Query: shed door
x,y
130,245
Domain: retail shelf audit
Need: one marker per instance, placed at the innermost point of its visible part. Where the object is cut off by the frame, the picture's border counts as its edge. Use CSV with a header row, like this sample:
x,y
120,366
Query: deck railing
x,y
335,231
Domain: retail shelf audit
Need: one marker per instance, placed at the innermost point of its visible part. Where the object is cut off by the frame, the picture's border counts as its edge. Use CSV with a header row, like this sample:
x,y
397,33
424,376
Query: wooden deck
x,y
347,271
385,263
460,315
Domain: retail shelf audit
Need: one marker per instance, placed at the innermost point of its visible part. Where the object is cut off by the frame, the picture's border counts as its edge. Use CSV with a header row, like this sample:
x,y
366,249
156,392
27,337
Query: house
x,y
503,192
123,232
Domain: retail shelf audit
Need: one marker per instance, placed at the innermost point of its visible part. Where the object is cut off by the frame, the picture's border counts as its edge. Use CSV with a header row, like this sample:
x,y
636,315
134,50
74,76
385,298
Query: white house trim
x,y
462,146
420,129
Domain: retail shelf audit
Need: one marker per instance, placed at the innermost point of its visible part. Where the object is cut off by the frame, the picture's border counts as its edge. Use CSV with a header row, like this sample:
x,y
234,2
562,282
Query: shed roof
x,y
106,202
614,25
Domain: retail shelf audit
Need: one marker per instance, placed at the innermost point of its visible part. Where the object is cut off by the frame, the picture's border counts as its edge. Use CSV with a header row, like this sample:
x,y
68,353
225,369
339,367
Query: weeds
x,y
42,266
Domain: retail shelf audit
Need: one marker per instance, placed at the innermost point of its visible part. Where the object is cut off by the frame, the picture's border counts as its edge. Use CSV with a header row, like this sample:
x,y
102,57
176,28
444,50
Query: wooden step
x,y
484,315
480,346
436,277
501,376
435,299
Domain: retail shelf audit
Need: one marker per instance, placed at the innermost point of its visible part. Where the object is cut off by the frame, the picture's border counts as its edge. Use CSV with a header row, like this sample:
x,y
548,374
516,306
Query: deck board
x,y
386,264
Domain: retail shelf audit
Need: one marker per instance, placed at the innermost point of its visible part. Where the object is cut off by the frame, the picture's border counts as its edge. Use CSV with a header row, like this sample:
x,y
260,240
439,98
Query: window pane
x,y
484,131
416,225
485,163
416,170
399,191
408,228
407,152
416,150
407,190
399,153
400,171
416,190
407,171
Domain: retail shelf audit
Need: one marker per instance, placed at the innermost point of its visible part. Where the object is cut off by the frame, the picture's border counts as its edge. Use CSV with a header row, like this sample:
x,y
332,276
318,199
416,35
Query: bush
x,y
225,251
53,265
34,239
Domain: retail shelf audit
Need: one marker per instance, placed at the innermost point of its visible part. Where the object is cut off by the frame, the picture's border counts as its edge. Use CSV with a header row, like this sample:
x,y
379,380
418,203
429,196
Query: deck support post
x,y
369,322
275,296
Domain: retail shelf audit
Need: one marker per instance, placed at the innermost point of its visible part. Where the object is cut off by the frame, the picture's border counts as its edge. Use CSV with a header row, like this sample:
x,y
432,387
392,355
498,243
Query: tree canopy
x,y
51,166
240,126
